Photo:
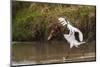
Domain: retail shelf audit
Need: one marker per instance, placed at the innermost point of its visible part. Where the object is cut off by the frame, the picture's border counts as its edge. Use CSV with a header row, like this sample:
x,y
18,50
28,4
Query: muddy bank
x,y
88,57
53,52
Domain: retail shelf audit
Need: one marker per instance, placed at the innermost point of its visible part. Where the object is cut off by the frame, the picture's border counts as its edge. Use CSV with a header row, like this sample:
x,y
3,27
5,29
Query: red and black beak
x,y
51,35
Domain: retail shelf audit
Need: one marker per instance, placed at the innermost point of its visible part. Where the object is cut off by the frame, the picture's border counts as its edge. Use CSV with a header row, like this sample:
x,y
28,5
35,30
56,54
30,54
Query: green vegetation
x,y
31,21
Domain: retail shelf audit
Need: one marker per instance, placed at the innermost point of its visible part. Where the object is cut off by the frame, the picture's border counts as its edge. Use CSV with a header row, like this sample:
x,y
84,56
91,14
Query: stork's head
x,y
62,21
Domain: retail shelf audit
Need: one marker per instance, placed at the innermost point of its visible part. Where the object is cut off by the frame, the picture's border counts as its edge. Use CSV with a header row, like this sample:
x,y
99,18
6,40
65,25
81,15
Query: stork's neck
x,y
64,23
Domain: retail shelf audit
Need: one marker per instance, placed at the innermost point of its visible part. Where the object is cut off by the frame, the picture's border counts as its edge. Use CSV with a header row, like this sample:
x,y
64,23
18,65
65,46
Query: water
x,y
48,52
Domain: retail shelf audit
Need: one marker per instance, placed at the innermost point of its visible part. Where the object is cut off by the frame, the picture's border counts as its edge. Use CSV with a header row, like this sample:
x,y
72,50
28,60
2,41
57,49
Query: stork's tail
x,y
82,42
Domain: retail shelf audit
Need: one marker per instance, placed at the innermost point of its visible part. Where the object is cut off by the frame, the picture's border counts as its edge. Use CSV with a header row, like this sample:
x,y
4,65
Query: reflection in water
x,y
48,51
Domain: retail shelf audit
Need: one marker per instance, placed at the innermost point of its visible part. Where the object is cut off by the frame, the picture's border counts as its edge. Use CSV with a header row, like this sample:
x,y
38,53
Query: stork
x,y
71,36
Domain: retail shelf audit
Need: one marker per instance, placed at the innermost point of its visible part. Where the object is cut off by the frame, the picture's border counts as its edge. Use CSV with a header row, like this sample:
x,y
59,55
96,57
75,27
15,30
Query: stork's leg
x,y
69,51
83,50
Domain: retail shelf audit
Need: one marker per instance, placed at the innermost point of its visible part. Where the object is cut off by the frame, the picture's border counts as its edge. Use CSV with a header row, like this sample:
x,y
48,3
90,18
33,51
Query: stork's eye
x,y
62,21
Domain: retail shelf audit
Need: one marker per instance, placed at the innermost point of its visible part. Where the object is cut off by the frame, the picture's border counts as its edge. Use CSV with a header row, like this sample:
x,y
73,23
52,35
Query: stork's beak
x,y
50,36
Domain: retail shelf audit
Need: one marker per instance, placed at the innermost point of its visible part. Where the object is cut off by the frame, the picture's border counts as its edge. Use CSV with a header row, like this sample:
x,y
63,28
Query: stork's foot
x,y
83,54
67,57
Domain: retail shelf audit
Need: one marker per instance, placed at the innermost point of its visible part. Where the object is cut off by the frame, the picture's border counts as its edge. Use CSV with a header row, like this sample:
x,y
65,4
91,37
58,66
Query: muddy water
x,y
55,50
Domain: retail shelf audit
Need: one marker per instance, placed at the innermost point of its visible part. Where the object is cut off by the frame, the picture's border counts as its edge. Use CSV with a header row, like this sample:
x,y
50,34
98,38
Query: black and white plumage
x,y
71,38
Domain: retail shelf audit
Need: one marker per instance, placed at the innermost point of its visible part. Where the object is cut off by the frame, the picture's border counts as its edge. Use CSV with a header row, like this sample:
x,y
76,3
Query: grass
x,y
31,21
